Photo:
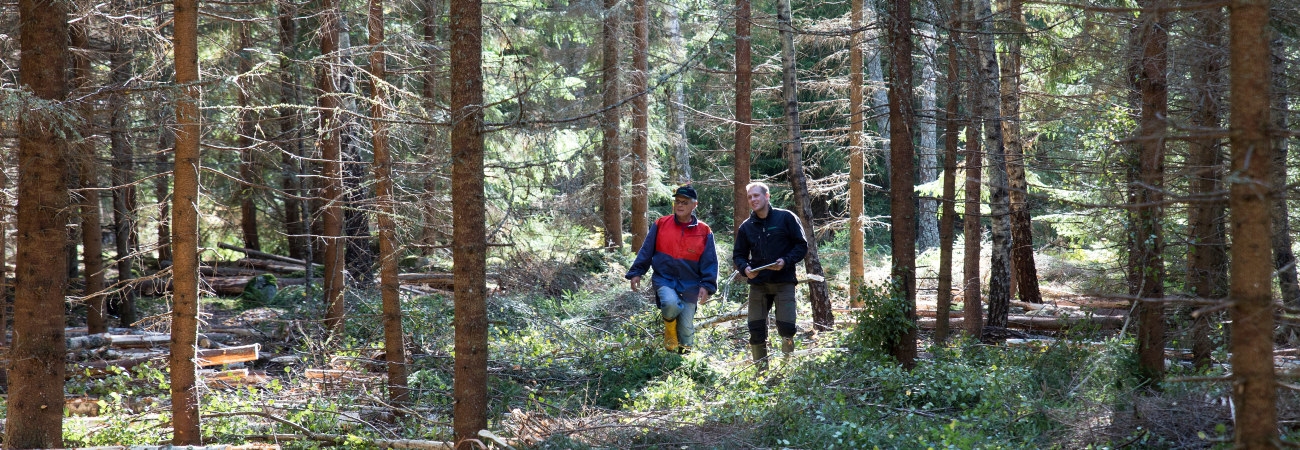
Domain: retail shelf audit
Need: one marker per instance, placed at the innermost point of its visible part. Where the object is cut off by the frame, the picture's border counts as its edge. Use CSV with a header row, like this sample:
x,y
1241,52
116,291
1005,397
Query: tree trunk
x,y
434,209
902,195
185,274
161,181
611,194
88,176
1206,250
394,347
335,268
36,368
680,142
879,97
927,230
1255,386
245,128
823,318
122,177
947,218
744,115
1022,241
1151,66
857,224
971,231
640,121
470,399
1283,257
290,138
999,204
359,257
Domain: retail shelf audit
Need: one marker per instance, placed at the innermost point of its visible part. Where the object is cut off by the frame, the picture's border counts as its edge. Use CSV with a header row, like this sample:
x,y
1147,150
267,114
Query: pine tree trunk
x,y
1254,381
245,128
879,96
1022,241
857,224
681,167
162,165
1206,250
434,208
34,417
972,306
122,177
185,274
470,399
88,176
394,347
823,318
290,138
947,218
1283,257
927,229
1151,66
902,196
611,191
332,233
640,121
744,115
999,203
359,256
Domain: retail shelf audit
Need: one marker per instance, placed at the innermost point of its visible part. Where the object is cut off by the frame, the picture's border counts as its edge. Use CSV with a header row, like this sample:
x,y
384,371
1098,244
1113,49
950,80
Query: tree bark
x,y
394,347
335,267
1148,239
611,192
469,255
88,177
162,167
36,368
359,256
1206,251
1022,241
680,142
902,195
927,170
290,139
640,122
823,317
947,217
857,224
879,97
1283,257
1252,310
434,209
744,115
245,128
185,274
971,231
999,203
122,177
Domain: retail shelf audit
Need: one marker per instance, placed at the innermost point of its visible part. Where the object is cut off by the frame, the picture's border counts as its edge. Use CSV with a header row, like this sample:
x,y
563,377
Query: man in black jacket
x,y
768,245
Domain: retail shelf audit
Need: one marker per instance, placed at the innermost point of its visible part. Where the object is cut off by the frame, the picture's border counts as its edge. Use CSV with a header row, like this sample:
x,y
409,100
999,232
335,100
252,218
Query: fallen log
x,y
720,319
240,377
226,271
228,355
267,265
264,255
1039,323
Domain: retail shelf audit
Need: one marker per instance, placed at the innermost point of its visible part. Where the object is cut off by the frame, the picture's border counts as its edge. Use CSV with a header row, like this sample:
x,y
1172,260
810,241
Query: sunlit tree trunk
x,y
972,306
999,203
335,270
469,254
394,349
681,148
246,127
290,138
927,170
1022,241
902,196
640,121
879,93
857,224
88,178
823,318
611,192
34,416
1250,291
185,274
1283,257
1148,240
744,114
947,217
1206,251
358,256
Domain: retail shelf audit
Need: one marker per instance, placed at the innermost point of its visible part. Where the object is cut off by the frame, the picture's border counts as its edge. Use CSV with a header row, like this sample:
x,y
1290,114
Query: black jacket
x,y
763,241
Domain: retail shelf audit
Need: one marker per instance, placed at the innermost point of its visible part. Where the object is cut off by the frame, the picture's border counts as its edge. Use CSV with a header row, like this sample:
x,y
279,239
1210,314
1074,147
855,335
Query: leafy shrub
x,y
883,318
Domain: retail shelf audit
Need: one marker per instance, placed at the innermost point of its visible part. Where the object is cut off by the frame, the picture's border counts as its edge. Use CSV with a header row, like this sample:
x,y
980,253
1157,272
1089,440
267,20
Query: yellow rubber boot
x,y
670,335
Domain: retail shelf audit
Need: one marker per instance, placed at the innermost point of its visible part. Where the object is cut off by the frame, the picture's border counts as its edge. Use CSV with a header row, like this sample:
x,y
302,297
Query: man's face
x,y
684,206
758,200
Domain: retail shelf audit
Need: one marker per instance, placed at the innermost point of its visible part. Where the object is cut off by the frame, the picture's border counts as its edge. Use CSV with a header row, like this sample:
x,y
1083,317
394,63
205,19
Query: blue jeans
x,y
672,307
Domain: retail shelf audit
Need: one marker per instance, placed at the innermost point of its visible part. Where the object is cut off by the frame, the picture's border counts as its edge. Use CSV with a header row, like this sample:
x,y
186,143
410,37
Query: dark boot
x,y
759,353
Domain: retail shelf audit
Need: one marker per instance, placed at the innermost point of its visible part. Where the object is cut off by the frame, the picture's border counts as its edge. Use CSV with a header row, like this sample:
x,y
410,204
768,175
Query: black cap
x,y
686,191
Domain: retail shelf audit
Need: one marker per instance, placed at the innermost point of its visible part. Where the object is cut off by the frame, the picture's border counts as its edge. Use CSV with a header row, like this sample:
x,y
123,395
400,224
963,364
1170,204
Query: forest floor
x,y
577,362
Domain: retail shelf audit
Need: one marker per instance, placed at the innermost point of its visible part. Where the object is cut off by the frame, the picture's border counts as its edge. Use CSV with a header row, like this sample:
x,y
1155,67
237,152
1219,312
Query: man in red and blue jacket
x,y
680,249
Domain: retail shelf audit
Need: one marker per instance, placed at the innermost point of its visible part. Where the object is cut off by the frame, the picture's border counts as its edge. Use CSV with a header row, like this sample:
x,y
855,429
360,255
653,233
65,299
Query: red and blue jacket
x,y
682,255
